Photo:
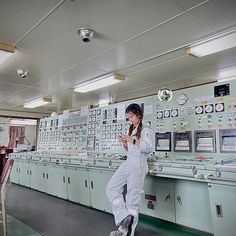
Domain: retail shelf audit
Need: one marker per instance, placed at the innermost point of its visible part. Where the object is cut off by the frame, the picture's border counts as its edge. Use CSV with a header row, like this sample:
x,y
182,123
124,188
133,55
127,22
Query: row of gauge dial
x,y
209,108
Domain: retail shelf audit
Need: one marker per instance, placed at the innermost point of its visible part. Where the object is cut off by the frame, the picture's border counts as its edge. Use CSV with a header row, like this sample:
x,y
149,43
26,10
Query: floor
x,y
51,216
17,228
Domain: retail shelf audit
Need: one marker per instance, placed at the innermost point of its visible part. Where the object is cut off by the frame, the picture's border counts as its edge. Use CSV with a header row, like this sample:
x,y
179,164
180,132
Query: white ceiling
x,y
143,39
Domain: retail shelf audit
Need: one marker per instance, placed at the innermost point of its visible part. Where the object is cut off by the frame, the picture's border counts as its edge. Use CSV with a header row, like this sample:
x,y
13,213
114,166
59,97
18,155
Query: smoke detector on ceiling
x,y
86,34
22,73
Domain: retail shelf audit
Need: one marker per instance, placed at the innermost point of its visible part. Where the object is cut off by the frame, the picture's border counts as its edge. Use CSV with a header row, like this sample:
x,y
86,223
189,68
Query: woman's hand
x,y
126,138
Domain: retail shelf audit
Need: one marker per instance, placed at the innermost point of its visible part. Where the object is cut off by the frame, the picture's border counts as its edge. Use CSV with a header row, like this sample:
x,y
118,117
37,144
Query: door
x,y
56,181
78,185
158,198
38,176
98,180
192,205
223,209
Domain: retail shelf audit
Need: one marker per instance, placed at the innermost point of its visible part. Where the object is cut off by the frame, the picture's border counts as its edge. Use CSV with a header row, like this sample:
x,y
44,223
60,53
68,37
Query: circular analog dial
x,y
182,99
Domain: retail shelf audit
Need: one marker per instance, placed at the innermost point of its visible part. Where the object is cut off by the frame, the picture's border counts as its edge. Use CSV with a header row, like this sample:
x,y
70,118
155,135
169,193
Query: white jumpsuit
x,y
131,172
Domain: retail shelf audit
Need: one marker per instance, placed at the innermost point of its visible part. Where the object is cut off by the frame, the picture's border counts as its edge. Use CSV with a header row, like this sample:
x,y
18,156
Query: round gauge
x,y
174,113
167,113
94,112
159,114
108,128
182,99
114,128
209,108
99,112
119,127
219,107
199,109
103,128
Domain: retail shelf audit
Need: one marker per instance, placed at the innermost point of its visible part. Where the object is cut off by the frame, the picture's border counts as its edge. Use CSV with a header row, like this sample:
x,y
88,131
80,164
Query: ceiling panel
x,y
17,17
114,21
160,40
188,4
7,89
188,67
68,78
217,13
40,67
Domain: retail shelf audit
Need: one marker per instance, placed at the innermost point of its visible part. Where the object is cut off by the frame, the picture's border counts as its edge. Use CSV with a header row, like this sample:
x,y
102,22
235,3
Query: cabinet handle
x,y
85,183
68,180
92,184
64,179
27,172
43,175
30,172
179,200
47,175
167,197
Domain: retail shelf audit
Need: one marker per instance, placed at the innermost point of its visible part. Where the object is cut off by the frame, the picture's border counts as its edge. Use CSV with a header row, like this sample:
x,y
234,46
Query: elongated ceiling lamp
x,y
6,51
98,83
38,102
216,43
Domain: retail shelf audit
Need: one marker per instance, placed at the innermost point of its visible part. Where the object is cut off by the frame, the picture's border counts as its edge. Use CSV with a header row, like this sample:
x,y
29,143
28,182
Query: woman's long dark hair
x,y
137,110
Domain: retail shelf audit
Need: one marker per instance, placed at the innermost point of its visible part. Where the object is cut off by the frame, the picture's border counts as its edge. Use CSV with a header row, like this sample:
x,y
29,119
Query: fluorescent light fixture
x,y
226,79
213,44
228,73
104,102
23,122
38,102
6,51
98,83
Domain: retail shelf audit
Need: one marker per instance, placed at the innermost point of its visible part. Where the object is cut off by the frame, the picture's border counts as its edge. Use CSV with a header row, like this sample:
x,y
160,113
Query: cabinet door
x,y
14,176
38,176
98,180
24,174
223,209
56,181
192,205
158,198
78,185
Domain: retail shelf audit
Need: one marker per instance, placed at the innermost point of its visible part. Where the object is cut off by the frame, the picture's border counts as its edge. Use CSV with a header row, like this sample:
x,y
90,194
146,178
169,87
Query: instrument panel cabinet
x,y
14,177
38,176
56,181
78,185
158,198
24,173
223,208
192,207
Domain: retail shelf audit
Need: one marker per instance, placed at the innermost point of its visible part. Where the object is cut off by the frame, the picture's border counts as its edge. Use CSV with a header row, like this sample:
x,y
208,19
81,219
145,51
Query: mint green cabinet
x,y
98,180
158,198
78,185
223,209
192,206
14,176
56,180
38,176
24,173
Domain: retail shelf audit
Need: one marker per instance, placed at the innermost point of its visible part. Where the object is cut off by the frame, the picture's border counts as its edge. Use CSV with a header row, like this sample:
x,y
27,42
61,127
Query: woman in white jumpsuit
x,y
139,143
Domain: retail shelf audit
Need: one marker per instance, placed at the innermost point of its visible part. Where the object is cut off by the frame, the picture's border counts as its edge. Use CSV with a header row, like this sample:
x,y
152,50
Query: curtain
x,y
16,135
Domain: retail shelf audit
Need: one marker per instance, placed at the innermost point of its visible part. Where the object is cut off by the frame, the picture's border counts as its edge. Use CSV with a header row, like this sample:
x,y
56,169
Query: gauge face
x,y
174,113
167,113
182,99
199,109
159,114
209,108
219,107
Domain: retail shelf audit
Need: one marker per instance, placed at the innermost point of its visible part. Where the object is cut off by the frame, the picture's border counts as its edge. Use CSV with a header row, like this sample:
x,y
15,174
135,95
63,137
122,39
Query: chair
x,y
3,181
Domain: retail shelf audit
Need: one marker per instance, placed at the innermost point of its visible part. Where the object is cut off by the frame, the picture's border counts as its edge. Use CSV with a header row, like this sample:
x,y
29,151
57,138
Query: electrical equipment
x,y
163,141
205,140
